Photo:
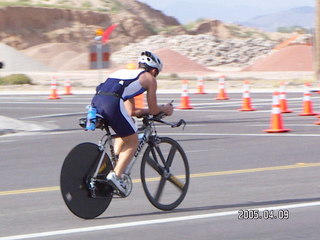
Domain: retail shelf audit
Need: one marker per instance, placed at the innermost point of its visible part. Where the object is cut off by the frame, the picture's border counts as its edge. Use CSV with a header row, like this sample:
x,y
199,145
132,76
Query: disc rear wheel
x,y
75,180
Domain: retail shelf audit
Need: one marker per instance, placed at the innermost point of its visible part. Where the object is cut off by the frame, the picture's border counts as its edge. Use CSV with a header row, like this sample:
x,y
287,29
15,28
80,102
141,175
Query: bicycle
x,y
164,170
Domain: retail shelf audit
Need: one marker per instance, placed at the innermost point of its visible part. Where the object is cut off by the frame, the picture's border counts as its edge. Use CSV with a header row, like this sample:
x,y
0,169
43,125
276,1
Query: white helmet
x,y
151,60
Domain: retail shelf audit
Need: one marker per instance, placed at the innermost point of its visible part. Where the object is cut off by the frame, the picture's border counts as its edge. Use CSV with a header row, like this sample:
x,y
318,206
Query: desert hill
x,y
25,24
290,58
58,33
23,27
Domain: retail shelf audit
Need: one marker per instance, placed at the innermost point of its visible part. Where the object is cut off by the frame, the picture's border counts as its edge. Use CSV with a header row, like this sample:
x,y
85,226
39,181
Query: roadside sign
x,y
99,56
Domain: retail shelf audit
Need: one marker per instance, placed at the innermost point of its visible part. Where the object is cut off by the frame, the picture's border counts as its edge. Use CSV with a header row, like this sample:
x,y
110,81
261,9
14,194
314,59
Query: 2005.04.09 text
x,y
254,214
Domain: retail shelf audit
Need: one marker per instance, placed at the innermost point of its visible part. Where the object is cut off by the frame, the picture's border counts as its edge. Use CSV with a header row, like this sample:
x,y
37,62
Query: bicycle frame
x,y
143,136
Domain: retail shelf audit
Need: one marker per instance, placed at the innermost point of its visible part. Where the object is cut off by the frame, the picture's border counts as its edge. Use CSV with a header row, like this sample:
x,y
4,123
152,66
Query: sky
x,y
224,10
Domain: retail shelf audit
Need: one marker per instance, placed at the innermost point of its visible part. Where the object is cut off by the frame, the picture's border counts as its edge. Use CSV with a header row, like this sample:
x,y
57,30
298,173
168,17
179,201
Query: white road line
x,y
287,124
196,151
38,133
203,109
242,134
54,115
47,102
152,222
6,141
176,134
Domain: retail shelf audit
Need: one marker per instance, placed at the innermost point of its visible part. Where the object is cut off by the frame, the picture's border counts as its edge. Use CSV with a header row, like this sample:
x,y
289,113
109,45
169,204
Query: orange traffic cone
x,y
67,87
307,103
139,101
283,100
246,103
185,101
276,125
53,89
200,86
222,95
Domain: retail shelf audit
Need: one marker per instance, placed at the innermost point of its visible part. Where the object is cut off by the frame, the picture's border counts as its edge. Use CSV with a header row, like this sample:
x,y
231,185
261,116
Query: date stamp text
x,y
254,214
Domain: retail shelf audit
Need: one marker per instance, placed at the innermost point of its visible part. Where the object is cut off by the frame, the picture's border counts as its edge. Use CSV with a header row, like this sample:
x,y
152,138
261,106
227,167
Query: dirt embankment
x,y
24,27
290,58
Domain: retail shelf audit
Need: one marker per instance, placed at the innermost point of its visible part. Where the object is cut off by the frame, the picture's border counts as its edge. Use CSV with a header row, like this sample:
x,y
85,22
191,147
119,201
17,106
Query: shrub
x,y
15,79
174,76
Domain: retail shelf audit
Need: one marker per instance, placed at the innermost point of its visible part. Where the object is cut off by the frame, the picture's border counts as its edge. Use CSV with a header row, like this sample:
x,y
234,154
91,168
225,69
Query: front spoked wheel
x,y
165,173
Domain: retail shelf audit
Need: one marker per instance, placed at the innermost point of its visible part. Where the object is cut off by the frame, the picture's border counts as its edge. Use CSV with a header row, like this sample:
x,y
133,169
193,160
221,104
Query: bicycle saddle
x,y
101,122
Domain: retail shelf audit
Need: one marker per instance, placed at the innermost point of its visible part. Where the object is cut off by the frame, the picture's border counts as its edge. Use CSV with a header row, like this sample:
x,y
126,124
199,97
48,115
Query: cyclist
x,y
114,100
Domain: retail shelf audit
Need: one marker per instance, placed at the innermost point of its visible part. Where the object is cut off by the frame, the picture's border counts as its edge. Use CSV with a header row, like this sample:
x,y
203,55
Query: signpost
x,y
100,52
96,53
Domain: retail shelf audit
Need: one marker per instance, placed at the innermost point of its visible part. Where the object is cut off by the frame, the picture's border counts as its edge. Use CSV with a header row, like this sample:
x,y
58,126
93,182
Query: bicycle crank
x,y
127,185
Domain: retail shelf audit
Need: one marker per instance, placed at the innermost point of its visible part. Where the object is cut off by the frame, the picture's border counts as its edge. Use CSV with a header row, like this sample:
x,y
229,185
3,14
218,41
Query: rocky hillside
x,y
207,50
57,33
71,21
23,26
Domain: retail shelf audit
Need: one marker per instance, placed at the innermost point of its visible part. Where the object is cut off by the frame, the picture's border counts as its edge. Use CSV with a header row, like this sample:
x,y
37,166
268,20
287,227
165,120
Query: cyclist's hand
x,y
167,109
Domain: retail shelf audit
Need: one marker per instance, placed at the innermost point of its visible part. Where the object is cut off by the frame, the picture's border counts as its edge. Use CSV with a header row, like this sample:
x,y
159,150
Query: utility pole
x,y
316,44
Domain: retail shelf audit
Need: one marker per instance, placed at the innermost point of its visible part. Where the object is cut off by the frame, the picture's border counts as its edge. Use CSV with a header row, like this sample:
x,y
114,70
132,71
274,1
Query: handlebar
x,y
158,118
146,119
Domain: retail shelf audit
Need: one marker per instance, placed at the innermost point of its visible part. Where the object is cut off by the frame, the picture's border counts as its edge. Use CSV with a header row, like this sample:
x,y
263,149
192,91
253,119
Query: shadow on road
x,y
248,205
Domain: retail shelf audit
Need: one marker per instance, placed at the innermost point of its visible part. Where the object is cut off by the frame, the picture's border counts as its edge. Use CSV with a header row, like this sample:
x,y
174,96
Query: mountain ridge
x,y
301,16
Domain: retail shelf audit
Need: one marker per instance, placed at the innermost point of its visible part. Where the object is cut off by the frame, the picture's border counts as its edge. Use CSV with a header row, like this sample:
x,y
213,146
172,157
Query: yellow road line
x,y
194,175
252,170
30,190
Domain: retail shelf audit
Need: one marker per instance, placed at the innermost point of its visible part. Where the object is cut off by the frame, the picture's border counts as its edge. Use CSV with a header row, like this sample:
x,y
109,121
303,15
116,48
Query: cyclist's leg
x,y
118,143
115,112
128,106
116,178
128,146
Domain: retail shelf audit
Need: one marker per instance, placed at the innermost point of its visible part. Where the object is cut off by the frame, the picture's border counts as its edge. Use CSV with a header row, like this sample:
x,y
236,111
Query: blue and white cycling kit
x,y
109,100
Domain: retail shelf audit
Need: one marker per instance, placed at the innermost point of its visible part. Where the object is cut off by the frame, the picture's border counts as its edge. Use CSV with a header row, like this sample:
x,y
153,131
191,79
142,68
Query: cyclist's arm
x,y
149,82
133,111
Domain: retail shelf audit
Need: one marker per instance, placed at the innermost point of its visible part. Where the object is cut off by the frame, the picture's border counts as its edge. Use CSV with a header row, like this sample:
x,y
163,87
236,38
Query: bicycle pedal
x,y
119,194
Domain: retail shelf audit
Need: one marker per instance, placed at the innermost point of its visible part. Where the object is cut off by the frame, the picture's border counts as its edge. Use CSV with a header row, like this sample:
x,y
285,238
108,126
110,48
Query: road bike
x,y
164,170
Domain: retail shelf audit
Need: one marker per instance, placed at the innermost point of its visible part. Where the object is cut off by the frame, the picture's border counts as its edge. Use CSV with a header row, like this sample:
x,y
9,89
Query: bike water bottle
x,y
91,118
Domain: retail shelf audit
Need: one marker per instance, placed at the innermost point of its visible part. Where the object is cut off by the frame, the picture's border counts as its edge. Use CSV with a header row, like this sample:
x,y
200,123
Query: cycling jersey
x,y
109,100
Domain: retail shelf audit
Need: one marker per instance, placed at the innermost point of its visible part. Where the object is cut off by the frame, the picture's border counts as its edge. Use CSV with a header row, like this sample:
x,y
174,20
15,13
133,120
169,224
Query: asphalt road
x,y
237,169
